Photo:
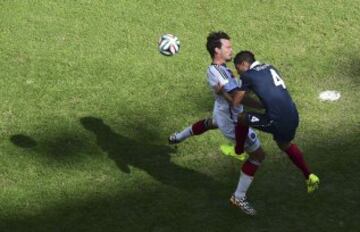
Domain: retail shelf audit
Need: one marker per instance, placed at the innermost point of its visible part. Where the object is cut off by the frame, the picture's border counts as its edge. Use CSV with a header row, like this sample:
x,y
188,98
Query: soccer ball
x,y
169,45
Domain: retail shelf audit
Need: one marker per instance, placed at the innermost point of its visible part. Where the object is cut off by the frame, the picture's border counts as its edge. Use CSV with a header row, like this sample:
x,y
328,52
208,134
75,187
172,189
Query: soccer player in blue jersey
x,y
280,118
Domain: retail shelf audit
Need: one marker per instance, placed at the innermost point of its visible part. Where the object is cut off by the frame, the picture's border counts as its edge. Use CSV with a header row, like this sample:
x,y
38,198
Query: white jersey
x,y
220,74
224,114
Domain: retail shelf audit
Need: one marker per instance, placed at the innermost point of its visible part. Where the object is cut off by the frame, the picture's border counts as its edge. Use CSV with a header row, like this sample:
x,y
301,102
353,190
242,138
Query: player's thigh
x,y
283,137
225,124
252,142
260,122
210,123
227,127
286,130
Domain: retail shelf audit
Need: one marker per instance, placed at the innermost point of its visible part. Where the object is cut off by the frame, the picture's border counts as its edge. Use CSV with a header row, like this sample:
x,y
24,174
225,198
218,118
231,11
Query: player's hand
x,y
218,88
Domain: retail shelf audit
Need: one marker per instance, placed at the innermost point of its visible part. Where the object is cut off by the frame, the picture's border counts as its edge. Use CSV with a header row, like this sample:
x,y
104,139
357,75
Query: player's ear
x,y
217,50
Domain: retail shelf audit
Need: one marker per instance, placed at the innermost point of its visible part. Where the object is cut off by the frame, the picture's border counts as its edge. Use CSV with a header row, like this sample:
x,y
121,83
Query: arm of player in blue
x,y
245,83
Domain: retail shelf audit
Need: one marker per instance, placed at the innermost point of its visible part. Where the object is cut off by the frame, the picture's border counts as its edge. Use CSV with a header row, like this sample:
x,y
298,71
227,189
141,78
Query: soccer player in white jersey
x,y
223,83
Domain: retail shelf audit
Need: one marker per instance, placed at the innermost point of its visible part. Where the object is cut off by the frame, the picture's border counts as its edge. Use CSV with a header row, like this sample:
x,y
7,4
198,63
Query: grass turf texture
x,y
87,103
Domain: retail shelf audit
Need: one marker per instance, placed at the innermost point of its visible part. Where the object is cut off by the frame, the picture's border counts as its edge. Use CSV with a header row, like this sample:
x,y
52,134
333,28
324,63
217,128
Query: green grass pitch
x,y
87,103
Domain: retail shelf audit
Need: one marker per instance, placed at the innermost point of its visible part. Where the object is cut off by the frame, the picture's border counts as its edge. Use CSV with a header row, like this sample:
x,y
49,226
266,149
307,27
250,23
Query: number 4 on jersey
x,y
277,79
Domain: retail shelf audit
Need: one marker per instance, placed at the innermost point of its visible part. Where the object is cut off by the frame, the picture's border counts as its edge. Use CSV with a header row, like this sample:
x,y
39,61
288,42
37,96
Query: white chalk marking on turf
x,y
329,95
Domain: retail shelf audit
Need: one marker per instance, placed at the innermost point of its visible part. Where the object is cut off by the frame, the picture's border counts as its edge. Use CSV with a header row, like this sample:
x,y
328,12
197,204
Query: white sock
x,y
184,134
243,185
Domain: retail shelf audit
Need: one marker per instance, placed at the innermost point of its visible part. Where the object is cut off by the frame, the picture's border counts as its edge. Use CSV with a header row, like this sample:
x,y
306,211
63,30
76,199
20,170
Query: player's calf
x,y
197,128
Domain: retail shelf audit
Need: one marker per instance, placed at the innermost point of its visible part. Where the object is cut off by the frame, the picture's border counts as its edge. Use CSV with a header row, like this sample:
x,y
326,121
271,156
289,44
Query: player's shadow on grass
x,y
151,158
59,148
23,141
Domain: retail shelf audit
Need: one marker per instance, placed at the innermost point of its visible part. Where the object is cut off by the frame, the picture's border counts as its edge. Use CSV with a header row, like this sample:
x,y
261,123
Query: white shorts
x,y
226,123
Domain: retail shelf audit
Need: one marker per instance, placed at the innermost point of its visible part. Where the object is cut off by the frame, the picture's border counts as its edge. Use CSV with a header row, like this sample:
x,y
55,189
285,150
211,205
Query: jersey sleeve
x,y
245,83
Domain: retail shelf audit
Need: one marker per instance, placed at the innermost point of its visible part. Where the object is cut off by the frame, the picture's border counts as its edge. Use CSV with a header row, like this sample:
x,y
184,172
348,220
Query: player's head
x,y
219,46
243,61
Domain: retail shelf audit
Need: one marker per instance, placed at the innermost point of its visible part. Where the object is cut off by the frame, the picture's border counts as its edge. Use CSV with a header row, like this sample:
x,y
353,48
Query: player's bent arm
x,y
219,89
227,96
252,102
237,97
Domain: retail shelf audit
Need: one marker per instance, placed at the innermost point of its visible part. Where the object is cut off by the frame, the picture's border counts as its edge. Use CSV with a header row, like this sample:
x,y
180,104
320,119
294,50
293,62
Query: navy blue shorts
x,y
282,131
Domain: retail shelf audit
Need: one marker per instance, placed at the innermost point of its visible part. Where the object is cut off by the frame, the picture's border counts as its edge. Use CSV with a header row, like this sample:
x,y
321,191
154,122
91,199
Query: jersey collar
x,y
255,63
219,64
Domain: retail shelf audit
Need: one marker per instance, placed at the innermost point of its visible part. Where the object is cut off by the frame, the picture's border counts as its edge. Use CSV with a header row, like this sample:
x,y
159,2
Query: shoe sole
x,y
238,207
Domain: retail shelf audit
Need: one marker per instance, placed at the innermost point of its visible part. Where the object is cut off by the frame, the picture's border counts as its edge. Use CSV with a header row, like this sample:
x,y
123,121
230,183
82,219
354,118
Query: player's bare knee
x,y
210,123
242,119
283,146
258,154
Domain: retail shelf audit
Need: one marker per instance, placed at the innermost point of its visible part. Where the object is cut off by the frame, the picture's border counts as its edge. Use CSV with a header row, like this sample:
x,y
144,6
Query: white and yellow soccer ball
x,y
169,45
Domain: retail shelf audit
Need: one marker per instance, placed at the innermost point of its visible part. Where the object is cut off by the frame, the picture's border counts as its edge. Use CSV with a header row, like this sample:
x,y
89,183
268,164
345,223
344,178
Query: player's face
x,y
226,50
241,68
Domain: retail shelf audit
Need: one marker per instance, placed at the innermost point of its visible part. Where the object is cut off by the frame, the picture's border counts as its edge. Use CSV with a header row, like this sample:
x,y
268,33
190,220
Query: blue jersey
x,y
266,83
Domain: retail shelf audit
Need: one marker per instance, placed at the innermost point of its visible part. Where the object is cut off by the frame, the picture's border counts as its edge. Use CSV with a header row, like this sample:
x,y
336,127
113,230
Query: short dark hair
x,y
246,56
213,41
